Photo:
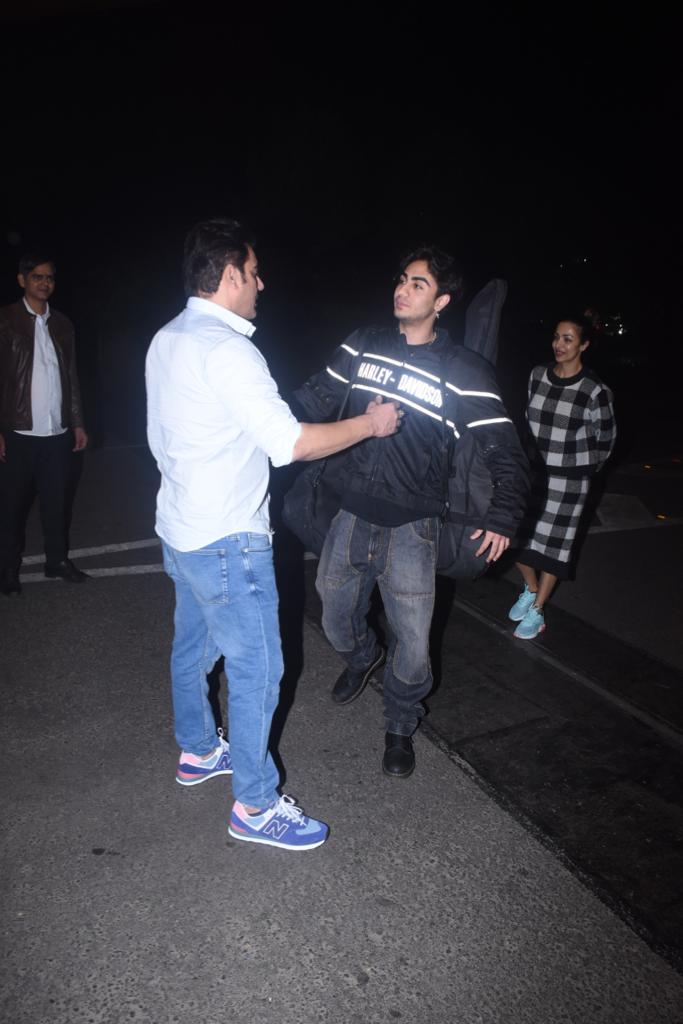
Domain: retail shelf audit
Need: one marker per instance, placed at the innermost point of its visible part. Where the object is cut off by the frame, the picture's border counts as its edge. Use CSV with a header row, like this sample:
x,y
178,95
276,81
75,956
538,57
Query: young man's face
x,y
244,287
38,284
415,297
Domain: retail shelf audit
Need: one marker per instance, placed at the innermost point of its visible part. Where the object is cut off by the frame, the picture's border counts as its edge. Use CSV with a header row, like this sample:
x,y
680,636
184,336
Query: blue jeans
x,y
226,603
402,561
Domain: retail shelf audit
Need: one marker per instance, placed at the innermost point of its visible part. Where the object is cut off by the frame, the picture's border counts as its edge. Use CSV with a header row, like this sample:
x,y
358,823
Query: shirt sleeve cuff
x,y
282,452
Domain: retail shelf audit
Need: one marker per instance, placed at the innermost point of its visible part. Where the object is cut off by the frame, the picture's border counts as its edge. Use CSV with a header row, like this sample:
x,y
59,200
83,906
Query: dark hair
x,y
584,324
30,260
442,267
209,247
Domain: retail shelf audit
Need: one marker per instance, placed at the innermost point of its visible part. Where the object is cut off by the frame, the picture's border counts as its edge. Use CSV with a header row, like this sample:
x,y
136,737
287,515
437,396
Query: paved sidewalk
x,y
126,901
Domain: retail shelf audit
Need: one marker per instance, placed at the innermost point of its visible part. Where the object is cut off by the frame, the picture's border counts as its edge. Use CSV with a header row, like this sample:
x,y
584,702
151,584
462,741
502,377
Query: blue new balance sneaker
x,y
531,625
522,605
282,824
193,769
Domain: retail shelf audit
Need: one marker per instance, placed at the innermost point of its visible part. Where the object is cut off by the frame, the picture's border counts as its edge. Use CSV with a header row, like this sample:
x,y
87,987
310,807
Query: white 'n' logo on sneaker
x,y
275,828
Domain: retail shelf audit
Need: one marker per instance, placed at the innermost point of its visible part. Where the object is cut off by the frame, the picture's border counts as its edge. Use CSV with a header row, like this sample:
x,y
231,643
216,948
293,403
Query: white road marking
x,y
117,570
104,549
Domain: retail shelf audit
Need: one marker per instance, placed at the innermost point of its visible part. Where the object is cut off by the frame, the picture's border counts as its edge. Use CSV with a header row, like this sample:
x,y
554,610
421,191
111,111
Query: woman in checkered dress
x,y
571,419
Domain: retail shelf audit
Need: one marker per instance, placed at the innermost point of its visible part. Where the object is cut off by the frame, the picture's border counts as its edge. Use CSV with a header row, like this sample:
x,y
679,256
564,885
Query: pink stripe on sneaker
x,y
201,762
239,811
190,759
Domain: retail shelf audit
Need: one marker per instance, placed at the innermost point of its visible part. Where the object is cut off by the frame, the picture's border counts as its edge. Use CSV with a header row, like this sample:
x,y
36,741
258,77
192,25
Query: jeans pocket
x,y
207,573
424,529
257,563
258,542
335,566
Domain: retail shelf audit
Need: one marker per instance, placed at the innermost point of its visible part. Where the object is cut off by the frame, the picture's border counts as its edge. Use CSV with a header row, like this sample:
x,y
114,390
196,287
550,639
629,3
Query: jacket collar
x,y
441,341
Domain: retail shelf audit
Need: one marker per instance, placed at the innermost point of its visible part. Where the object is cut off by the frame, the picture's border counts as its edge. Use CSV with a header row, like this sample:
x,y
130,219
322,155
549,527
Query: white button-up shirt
x,y
214,418
46,384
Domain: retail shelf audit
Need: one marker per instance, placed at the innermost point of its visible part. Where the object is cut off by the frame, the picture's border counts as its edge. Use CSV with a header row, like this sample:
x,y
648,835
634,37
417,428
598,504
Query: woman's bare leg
x,y
529,576
545,588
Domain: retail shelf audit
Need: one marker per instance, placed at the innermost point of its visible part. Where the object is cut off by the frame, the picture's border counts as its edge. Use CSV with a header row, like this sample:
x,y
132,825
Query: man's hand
x,y
80,438
386,417
2,448
497,543
318,440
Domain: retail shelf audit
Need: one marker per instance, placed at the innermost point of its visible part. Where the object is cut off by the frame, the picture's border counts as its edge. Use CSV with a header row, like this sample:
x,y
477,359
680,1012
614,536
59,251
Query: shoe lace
x,y
288,809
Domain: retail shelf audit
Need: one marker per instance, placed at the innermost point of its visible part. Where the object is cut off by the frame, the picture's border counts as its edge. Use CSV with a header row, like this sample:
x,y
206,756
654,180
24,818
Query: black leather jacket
x,y
17,327
406,469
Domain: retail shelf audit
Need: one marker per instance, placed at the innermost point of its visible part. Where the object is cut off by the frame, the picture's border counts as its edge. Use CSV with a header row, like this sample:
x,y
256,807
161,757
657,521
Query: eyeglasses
x,y
39,278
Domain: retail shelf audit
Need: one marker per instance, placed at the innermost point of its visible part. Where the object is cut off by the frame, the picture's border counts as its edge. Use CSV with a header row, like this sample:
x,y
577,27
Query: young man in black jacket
x,y
391,495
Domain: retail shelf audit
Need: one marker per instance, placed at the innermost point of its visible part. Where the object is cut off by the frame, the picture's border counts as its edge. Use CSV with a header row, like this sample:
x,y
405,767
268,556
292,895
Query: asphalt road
x,y
528,871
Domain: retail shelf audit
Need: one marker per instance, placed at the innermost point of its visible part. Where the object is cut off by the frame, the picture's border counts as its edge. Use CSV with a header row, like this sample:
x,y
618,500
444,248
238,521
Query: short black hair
x,y
30,260
442,267
209,247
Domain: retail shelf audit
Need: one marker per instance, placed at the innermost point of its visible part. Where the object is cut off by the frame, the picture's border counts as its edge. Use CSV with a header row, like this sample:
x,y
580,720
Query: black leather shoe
x,y
9,583
65,570
399,758
351,684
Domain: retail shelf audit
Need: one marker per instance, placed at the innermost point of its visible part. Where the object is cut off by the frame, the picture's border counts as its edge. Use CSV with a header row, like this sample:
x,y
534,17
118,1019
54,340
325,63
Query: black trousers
x,y
33,464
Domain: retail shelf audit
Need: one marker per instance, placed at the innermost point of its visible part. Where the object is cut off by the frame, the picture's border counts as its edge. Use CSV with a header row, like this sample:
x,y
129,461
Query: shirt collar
x,y
238,323
39,316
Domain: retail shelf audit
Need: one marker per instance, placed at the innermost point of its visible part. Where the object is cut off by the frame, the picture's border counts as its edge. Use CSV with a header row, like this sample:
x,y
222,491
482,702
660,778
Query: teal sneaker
x,y
522,605
531,625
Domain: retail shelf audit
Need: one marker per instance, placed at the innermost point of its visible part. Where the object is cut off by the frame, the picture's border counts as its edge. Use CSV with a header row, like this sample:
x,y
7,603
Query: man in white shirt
x,y
215,418
41,422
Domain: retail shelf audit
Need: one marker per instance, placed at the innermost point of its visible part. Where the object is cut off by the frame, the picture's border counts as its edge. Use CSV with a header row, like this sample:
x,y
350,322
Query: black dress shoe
x,y
9,583
65,570
399,759
351,684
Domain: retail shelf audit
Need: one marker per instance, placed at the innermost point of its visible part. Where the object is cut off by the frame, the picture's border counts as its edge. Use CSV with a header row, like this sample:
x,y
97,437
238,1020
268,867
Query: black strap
x,y
444,443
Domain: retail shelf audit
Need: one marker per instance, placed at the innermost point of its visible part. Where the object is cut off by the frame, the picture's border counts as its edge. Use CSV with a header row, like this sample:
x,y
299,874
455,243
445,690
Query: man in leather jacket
x,y
41,422
391,497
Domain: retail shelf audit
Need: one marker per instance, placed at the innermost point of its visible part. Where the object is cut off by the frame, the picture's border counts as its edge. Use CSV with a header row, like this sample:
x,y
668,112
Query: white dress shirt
x,y
214,418
46,384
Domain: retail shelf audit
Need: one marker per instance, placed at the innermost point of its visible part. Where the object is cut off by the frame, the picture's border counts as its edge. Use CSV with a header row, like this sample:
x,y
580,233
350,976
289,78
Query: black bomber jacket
x,y
17,328
406,469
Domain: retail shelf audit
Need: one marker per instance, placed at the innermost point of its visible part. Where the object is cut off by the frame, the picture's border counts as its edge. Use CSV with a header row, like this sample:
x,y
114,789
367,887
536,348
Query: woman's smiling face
x,y
567,344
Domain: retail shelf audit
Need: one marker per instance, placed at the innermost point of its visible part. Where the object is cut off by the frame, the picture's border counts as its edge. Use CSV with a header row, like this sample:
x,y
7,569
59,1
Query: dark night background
x,y
539,148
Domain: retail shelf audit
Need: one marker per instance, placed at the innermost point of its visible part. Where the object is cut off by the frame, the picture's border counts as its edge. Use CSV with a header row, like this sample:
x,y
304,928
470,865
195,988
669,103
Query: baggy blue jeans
x,y
402,561
226,603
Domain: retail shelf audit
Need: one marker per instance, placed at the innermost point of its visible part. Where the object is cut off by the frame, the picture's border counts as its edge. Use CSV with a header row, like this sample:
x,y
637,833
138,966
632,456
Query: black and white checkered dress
x,y
572,424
